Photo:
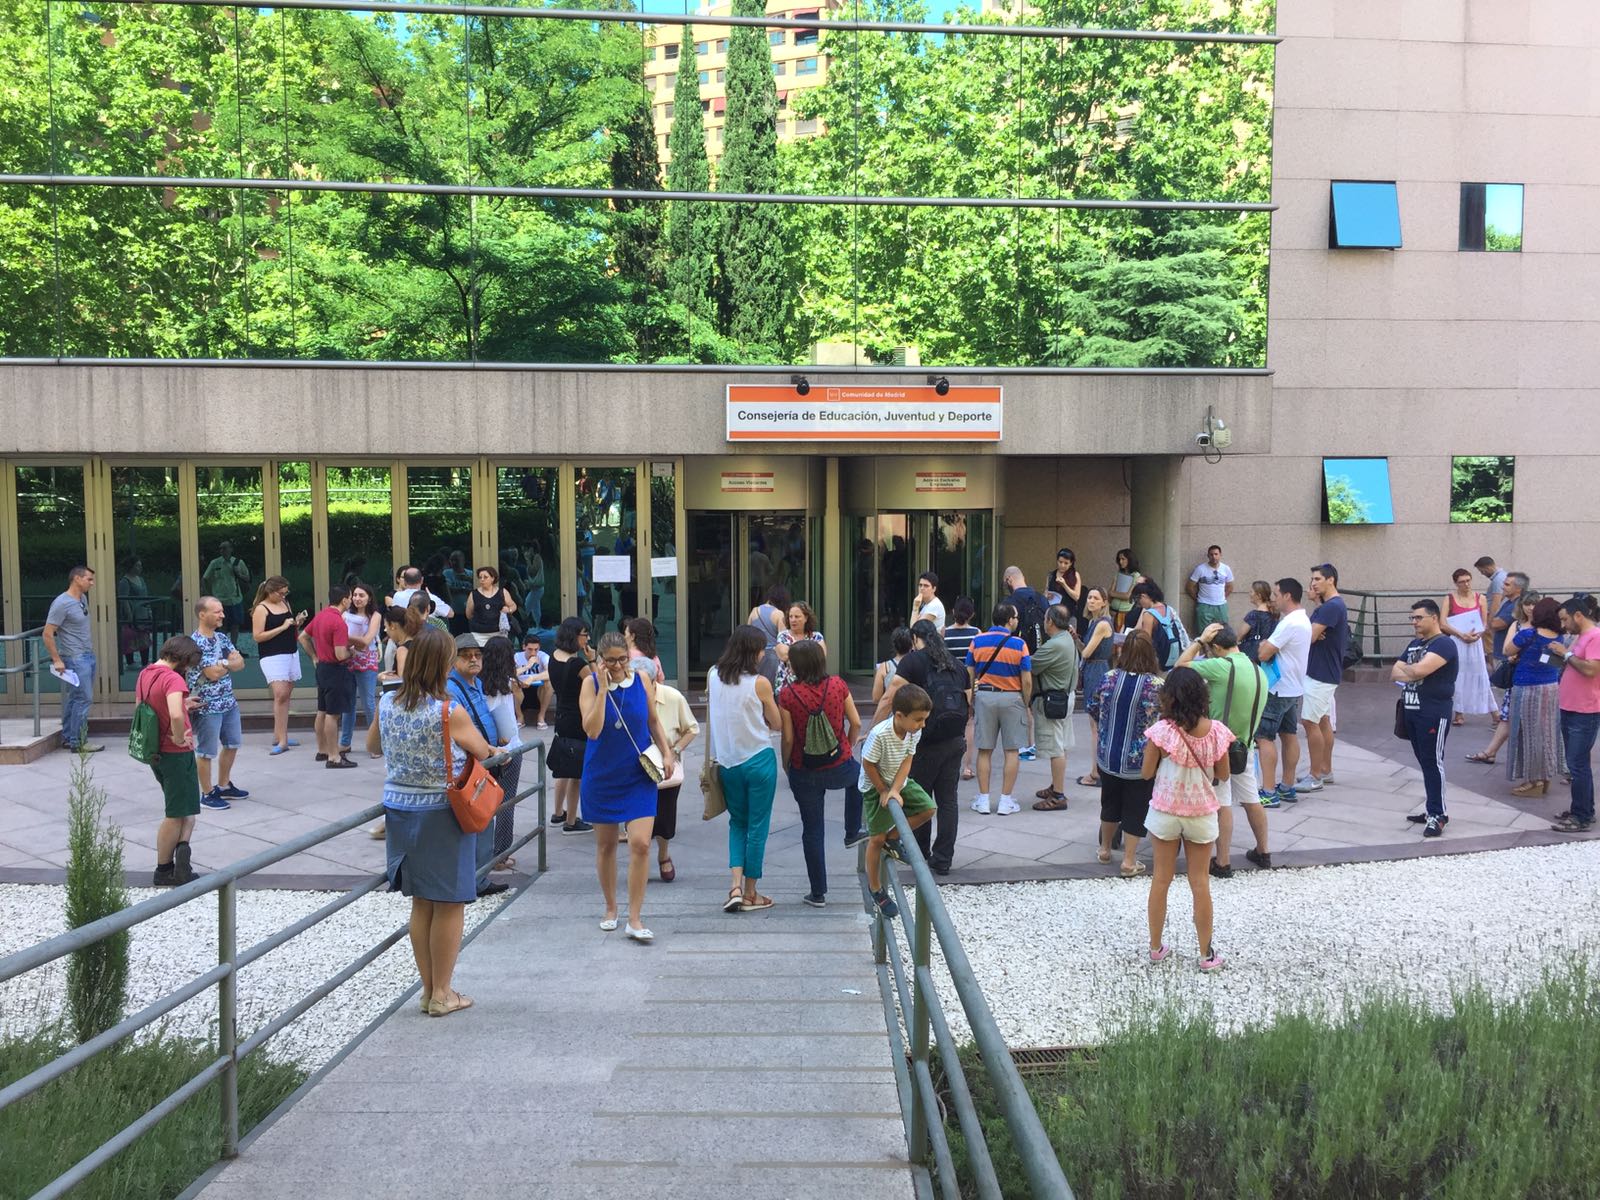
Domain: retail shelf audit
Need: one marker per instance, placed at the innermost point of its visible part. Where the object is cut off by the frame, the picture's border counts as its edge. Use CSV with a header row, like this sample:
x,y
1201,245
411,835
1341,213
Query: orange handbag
x,y
476,795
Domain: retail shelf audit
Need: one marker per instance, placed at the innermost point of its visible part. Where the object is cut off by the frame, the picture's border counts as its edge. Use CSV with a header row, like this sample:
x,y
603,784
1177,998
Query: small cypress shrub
x,y
97,975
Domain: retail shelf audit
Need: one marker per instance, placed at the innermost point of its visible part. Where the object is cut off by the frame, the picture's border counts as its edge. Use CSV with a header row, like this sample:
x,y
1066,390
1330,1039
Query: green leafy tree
x,y
97,975
636,225
754,291
1345,505
691,225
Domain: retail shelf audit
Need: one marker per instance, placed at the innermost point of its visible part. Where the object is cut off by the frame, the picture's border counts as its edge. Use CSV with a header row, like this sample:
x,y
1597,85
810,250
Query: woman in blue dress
x,y
619,719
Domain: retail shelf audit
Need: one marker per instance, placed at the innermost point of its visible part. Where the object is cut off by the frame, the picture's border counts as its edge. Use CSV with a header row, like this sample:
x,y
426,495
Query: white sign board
x,y
862,413
613,568
664,568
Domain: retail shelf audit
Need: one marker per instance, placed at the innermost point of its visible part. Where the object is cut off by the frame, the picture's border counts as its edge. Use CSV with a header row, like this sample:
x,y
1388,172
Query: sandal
x,y
1103,855
1056,803
1486,759
1134,871
734,902
755,902
506,864
1532,789
1086,781
669,872
443,1008
968,773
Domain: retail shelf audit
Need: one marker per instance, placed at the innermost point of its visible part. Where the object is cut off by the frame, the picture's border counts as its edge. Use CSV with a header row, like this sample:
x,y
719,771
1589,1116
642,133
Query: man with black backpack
x,y
1030,606
936,765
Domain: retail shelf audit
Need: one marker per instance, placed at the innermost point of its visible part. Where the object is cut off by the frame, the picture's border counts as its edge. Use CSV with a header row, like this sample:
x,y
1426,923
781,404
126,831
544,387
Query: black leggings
x,y
936,768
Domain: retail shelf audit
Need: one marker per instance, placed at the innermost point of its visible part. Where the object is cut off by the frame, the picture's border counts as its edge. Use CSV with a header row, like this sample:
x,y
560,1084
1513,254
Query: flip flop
x,y
734,902
1134,871
968,773
1085,781
1486,759
669,871
1103,855
456,1003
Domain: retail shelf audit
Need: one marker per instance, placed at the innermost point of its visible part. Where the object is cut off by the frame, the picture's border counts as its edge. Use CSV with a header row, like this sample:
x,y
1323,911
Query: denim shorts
x,y
210,728
1281,715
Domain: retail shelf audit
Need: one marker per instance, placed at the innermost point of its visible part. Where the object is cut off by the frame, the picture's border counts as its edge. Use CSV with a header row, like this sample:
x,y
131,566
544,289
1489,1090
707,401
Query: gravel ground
x,y
1063,963
175,947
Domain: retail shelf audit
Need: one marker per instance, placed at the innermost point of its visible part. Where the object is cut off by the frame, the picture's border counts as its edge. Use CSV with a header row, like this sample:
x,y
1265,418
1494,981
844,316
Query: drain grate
x,y
1039,1060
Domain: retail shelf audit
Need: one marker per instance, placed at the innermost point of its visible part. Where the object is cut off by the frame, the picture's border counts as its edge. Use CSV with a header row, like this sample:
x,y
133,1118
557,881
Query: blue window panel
x,y
1363,215
1355,491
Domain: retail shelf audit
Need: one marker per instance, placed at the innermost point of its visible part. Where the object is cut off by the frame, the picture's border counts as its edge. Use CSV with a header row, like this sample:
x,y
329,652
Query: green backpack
x,y
144,734
821,746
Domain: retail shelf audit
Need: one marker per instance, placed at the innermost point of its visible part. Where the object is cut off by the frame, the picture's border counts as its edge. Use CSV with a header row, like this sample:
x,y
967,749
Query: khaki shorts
x,y
1001,719
1199,830
1318,701
1051,739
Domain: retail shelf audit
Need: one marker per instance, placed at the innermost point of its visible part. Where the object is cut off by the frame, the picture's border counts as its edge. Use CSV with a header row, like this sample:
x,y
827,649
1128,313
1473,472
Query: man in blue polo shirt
x,y
1002,680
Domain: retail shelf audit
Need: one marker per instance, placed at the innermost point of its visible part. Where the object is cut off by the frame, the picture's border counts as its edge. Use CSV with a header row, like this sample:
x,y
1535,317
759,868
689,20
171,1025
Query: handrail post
x,y
544,808
33,659
922,937
228,1013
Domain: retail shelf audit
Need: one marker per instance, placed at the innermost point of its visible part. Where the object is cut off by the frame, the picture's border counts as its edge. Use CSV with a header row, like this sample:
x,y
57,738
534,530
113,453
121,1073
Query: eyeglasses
x,y
614,662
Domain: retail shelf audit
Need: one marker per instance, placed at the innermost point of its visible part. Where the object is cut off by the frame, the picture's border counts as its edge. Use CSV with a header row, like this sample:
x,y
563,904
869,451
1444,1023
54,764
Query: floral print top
x,y
1125,705
413,753
1183,780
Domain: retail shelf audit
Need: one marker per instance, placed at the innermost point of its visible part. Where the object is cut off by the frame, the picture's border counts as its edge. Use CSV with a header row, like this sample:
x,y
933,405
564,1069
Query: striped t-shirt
x,y
958,639
1004,674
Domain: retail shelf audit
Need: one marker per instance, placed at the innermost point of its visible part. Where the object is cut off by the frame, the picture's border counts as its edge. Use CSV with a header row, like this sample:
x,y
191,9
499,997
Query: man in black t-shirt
x,y
936,765
1427,672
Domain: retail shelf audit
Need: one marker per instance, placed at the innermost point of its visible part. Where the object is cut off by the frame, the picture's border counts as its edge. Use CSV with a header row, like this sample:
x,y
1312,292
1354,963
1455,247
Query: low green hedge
x,y
1489,1101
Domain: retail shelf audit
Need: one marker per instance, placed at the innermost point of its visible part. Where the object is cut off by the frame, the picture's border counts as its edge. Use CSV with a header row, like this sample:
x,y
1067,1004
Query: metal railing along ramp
x,y
231,959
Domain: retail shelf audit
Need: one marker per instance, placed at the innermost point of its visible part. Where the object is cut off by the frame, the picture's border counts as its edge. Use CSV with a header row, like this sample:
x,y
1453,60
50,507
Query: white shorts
x,y
281,668
1200,830
1240,788
1318,701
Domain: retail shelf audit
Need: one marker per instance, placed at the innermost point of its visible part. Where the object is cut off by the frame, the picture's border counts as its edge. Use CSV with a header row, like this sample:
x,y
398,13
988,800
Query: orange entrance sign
x,y
862,412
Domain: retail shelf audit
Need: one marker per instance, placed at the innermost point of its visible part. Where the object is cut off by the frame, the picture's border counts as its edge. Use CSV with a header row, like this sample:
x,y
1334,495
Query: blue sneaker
x,y
1288,795
1268,799
1027,754
233,793
213,800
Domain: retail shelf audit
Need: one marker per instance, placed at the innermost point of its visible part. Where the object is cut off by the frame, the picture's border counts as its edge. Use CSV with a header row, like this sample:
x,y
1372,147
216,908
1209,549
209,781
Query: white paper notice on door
x,y
664,568
613,568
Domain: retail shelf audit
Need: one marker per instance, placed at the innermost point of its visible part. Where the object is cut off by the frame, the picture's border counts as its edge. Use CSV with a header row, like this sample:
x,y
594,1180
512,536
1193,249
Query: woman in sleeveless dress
x,y
620,722
1465,620
569,667
276,628
768,617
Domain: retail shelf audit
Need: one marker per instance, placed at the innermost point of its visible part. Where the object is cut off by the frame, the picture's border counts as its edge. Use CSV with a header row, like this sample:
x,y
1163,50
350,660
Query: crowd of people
x,y
1184,728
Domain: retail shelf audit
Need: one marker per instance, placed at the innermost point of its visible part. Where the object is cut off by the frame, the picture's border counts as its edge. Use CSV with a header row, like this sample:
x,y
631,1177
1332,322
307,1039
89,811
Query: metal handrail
x,y
919,1004
1372,624
230,959
31,660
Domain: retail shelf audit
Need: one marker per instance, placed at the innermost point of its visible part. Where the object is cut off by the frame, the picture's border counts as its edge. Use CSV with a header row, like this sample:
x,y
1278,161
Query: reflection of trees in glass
x,y
332,95
1345,505
1481,487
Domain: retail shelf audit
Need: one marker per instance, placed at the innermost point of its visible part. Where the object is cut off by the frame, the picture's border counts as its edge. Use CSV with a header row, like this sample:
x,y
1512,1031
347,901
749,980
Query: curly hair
x,y
1185,698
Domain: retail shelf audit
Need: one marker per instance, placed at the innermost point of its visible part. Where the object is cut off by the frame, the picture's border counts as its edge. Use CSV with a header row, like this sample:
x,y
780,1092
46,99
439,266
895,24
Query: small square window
x,y
1480,488
669,106
778,68
702,47
1491,216
705,78
775,38
806,66
672,82
805,37
717,77
1355,491
1363,215
722,45
672,50
705,106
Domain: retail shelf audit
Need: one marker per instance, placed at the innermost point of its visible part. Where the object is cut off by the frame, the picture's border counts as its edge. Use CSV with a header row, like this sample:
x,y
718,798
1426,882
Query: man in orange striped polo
x,y
1002,680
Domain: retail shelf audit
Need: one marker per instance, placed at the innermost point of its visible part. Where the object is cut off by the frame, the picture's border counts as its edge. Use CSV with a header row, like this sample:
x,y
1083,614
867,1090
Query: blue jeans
x,y
748,790
75,700
1578,730
366,701
811,788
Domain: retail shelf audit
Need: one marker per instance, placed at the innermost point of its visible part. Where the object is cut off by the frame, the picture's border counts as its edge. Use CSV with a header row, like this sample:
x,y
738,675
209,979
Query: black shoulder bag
x,y
1239,751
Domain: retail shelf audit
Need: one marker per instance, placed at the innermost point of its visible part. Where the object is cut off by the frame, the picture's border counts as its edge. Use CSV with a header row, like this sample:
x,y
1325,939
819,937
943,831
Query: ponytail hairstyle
x,y
939,658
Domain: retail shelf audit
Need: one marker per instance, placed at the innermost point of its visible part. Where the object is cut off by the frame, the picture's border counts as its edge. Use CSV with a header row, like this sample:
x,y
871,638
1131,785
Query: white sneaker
x,y
981,805
1309,784
1008,806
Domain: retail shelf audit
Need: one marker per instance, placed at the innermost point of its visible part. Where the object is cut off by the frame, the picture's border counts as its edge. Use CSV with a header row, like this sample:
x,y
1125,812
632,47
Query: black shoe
x,y
493,889
1220,872
1263,861
1433,828
165,878
338,764
321,757
891,849
815,901
578,827
181,860
853,840
885,905
1421,818
941,869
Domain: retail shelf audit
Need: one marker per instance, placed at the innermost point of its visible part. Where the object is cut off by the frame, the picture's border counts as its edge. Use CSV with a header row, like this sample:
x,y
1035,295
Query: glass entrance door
x,y
886,552
734,561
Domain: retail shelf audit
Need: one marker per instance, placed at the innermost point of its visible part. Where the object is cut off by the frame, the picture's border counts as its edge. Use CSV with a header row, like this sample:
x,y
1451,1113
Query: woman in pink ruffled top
x,y
1186,752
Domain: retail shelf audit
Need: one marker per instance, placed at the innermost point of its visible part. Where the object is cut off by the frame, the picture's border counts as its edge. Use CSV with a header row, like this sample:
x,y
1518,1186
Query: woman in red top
x,y
814,691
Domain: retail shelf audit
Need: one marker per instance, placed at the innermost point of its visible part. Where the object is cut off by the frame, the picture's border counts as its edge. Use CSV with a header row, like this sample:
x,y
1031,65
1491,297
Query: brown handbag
x,y
476,795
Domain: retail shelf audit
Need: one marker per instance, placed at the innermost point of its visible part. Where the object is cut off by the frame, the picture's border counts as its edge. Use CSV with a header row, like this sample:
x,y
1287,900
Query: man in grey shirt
x,y
71,648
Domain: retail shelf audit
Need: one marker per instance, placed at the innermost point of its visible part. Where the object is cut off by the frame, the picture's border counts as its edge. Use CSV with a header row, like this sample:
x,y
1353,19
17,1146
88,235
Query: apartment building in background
x,y
797,65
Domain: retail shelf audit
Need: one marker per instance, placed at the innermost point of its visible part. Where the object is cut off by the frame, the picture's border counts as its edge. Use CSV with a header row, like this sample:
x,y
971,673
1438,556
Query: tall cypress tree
x,y
637,227
691,228
754,295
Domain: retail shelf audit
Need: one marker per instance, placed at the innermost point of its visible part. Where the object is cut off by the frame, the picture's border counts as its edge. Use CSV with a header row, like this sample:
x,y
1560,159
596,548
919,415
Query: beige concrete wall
x,y
388,412
1080,503
1427,352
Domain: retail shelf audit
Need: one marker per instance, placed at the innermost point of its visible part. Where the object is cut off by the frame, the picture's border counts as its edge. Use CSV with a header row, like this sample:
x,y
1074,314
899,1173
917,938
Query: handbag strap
x,y
620,717
449,757
999,646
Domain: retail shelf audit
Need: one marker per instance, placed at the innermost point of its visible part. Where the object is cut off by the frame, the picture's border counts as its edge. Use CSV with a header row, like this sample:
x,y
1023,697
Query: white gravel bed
x,y
1063,963
169,951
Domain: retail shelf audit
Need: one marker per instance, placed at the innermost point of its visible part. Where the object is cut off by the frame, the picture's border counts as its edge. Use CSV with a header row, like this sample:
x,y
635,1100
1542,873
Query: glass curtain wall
x,y
50,542
152,597
605,503
360,530
231,525
528,530
439,508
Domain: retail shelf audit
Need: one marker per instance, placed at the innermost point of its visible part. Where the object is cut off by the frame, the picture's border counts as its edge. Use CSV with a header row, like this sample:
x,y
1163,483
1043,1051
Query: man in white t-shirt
x,y
533,672
413,584
1283,657
928,606
1210,585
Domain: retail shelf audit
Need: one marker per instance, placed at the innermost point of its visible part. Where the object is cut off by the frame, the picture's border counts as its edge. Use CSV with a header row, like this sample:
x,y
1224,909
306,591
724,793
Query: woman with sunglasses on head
x,y
618,704
1065,581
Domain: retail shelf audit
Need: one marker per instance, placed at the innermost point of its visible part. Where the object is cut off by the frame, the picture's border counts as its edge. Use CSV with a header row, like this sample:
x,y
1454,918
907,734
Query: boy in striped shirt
x,y
886,779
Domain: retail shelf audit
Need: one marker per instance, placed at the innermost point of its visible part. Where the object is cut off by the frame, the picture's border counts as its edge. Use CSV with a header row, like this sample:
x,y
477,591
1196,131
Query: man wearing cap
x,y
466,689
